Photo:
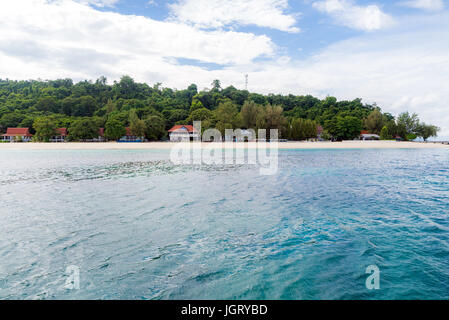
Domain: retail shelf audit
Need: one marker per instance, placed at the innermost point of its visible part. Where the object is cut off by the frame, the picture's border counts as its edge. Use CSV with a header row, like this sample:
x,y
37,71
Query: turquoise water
x,y
139,227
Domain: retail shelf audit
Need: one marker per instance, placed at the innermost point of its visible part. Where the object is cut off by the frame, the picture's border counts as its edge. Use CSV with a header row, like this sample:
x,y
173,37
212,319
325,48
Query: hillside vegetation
x,y
150,111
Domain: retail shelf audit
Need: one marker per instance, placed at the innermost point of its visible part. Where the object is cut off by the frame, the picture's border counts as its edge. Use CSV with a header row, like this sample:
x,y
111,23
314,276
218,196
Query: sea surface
x,y
137,226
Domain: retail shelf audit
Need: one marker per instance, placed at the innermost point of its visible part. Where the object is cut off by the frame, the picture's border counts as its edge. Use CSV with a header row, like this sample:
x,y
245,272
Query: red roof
x,y
21,132
189,128
62,132
365,132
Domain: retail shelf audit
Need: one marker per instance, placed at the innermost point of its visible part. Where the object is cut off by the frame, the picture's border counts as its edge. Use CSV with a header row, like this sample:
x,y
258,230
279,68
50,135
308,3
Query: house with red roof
x,y
61,135
17,134
183,133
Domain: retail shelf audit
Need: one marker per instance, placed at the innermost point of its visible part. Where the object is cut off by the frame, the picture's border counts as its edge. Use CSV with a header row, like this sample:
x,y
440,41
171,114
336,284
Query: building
x,y
183,133
130,138
17,134
246,136
365,135
241,136
61,135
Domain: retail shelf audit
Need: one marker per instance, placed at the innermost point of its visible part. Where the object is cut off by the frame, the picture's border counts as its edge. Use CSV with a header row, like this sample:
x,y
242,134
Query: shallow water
x,y
139,227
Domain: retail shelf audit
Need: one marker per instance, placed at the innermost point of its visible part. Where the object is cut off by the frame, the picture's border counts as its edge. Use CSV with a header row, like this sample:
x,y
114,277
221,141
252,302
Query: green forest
x,y
149,111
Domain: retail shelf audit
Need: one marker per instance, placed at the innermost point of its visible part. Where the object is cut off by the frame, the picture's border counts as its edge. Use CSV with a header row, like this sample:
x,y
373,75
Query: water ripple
x,y
139,227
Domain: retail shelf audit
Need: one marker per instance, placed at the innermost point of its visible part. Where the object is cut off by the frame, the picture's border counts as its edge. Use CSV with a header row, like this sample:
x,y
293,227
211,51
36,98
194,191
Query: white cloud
x,y
62,28
430,5
99,3
218,13
349,14
398,70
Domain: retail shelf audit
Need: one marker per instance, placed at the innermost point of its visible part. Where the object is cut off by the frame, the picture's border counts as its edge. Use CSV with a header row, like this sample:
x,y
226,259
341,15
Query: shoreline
x,y
169,145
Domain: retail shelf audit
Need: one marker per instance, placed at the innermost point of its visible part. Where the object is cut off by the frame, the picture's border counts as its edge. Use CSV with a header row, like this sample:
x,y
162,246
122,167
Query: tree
x,y
348,128
331,127
83,129
249,114
11,120
86,106
216,85
200,115
192,90
154,128
68,105
408,122
271,117
110,106
45,128
121,116
28,122
226,112
226,116
173,116
426,131
196,104
114,129
22,102
136,126
48,104
374,122
325,135
401,131
311,129
126,88
297,132
392,128
302,129
384,134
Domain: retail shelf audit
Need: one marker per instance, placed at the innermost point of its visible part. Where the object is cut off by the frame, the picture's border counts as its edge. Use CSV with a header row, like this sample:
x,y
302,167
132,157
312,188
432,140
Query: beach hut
x,y
366,135
183,133
61,135
17,134
246,136
239,135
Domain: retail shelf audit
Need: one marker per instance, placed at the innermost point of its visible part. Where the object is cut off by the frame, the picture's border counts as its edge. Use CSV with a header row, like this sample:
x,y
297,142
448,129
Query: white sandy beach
x,y
169,145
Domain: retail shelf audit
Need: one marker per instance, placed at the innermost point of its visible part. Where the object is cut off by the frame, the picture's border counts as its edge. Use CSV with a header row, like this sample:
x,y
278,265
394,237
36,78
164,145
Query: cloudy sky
x,y
394,53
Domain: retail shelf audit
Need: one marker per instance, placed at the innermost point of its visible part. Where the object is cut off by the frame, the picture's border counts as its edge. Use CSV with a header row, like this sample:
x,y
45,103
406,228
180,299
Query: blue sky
x,y
394,53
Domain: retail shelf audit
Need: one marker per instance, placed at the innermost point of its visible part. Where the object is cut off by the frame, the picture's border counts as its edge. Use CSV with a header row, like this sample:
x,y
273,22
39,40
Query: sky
x,y
393,53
